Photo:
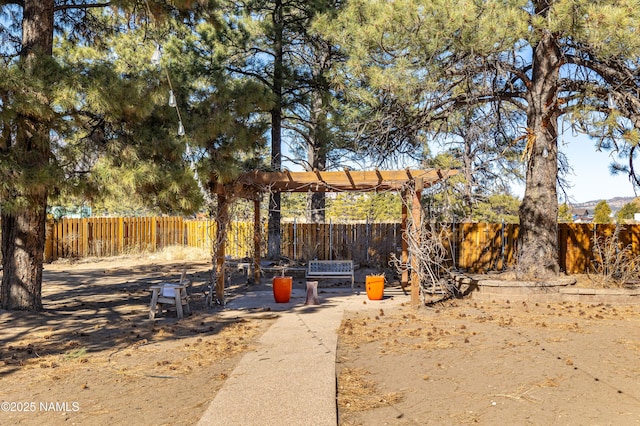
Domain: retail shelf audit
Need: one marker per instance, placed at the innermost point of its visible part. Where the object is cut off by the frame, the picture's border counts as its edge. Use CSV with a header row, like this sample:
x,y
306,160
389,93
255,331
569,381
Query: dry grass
x,y
141,360
614,265
525,392
182,253
211,347
401,333
170,253
357,393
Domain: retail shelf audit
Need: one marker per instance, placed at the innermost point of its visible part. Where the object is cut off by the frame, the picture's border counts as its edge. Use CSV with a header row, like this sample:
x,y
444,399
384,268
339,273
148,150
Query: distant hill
x,y
615,203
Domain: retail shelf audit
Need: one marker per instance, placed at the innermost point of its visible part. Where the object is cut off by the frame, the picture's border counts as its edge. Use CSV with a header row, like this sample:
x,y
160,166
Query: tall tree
x,y
278,80
224,111
602,212
259,49
280,52
65,106
28,149
417,62
28,126
310,118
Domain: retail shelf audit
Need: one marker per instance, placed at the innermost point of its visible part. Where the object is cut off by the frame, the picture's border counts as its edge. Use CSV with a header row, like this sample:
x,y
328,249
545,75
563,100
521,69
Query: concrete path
x,y
291,377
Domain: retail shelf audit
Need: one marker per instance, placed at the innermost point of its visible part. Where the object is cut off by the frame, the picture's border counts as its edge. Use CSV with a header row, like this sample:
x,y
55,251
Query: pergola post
x,y
416,217
222,218
257,239
404,258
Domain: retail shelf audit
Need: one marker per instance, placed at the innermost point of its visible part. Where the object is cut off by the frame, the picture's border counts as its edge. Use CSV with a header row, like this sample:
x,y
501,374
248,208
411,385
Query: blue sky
x,y
591,179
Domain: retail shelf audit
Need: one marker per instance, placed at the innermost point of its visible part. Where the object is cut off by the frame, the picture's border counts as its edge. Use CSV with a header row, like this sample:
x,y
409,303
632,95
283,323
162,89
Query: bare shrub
x,y
309,252
70,245
613,264
432,260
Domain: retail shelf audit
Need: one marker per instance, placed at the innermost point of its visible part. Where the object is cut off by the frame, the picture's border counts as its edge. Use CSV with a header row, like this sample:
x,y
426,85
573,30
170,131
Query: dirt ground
x,y
93,357
464,362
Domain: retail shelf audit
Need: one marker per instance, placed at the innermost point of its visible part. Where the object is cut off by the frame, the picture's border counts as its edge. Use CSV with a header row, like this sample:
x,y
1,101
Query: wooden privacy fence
x,y
483,247
365,243
113,236
476,247
371,243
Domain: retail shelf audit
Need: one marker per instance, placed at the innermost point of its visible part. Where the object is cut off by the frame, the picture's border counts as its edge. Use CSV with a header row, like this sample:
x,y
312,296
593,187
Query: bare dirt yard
x,y
465,362
93,357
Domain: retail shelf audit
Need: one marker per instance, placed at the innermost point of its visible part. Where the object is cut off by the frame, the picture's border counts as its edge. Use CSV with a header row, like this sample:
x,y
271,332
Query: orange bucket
x,y
282,289
375,287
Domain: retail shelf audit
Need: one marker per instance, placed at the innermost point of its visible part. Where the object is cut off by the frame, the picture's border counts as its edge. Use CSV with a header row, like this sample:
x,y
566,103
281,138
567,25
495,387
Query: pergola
x,y
250,185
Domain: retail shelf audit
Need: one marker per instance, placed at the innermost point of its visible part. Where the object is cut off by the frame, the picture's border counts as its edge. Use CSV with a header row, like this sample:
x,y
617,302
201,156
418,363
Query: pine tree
x,y
415,63
47,130
497,208
83,113
278,51
259,50
311,117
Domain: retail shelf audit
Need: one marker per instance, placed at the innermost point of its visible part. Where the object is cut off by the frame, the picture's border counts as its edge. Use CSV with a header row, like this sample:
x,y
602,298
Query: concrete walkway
x,y
291,377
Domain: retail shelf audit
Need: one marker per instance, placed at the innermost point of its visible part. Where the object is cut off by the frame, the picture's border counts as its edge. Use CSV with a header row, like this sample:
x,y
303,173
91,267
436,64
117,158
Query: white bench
x,y
317,269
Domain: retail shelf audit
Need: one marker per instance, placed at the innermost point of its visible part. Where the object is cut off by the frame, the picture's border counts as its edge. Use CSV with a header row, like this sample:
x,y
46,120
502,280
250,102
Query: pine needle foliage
x,y
414,65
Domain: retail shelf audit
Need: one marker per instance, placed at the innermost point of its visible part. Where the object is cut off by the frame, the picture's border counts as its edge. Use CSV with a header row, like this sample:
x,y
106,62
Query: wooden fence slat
x,y
579,248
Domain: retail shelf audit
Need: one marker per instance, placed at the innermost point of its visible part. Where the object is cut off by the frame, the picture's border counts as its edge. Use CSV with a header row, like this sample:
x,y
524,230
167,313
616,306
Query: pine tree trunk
x,y
23,224
23,238
467,161
222,220
317,154
538,245
316,205
273,228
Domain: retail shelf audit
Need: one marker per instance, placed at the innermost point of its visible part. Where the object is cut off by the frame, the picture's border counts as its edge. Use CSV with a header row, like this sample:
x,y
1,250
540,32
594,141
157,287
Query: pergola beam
x,y
348,175
347,180
289,175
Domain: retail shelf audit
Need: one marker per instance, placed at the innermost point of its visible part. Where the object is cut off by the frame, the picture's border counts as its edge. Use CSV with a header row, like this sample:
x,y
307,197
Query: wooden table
x,y
170,294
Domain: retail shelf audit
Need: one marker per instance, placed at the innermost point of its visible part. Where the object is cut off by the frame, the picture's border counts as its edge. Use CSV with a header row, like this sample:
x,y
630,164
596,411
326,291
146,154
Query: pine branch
x,y
80,6
249,73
